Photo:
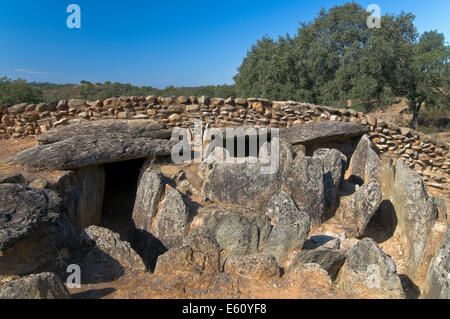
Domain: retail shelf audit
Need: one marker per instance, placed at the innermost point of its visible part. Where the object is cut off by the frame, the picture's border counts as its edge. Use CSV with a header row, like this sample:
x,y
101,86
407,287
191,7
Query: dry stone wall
x,y
420,152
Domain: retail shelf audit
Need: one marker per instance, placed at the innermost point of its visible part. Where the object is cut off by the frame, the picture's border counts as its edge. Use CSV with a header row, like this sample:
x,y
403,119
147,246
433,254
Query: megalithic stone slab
x,y
132,128
96,142
88,150
324,131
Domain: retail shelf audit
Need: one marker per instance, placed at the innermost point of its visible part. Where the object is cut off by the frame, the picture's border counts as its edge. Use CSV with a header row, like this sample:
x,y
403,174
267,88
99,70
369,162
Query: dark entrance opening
x,y
383,223
121,181
241,147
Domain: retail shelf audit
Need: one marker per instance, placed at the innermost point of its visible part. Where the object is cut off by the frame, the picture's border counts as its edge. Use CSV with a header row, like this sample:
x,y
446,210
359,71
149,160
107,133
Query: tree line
x,y
337,60
21,91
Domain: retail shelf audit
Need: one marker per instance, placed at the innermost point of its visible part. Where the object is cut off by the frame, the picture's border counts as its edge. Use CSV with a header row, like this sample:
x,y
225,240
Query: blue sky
x,y
159,43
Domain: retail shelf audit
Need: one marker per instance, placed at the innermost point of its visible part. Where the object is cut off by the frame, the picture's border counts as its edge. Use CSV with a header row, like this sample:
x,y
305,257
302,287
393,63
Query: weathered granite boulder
x,y
334,165
37,286
199,254
68,188
18,108
172,221
247,183
415,212
76,103
304,182
288,234
368,268
301,177
33,230
92,186
95,143
82,195
150,193
329,259
438,279
310,280
238,232
240,184
279,204
105,256
259,266
356,210
365,162
324,131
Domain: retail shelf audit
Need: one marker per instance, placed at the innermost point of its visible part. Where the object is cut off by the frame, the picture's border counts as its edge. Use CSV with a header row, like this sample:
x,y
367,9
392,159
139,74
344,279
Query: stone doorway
x,y
121,181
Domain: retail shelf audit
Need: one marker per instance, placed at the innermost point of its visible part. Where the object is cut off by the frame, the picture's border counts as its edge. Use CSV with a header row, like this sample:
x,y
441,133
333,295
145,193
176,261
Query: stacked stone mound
x,y
419,151
230,218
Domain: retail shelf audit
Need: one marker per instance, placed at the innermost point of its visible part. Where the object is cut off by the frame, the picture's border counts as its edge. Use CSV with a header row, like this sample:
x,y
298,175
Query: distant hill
x,y
90,91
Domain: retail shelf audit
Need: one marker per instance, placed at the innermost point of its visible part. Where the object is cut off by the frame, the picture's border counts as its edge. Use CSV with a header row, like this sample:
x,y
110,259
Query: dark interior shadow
x,y
412,291
440,208
121,181
193,207
93,293
383,223
356,180
147,246
330,195
95,265
330,213
98,267
231,145
316,242
346,146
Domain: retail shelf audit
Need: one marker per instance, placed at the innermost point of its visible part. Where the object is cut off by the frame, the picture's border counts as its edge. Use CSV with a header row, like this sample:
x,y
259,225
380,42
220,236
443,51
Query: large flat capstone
x,y
136,128
94,143
324,131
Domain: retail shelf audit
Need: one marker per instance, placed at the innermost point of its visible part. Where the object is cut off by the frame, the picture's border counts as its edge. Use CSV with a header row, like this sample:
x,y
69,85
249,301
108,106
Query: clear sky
x,y
159,43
